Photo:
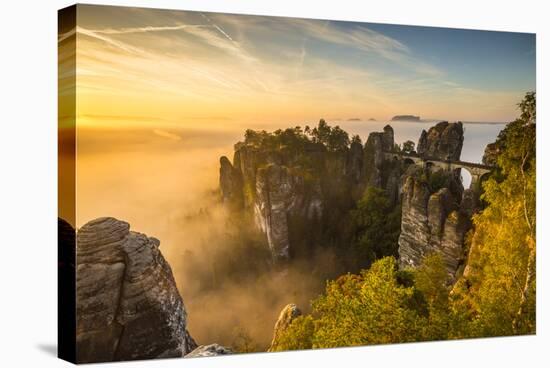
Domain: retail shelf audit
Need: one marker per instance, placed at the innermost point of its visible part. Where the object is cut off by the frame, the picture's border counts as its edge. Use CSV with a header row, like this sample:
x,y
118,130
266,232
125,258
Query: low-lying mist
x,y
232,291
164,182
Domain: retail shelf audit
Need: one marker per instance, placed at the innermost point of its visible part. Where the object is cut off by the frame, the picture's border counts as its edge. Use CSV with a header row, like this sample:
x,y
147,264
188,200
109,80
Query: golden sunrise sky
x,y
140,66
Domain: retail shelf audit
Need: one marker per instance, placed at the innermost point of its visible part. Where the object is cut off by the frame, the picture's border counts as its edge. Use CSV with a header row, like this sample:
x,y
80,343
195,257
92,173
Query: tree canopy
x,y
334,139
495,296
377,226
498,288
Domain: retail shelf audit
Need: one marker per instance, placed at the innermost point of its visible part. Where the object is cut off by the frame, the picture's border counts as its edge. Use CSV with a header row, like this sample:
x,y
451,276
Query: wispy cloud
x,y
109,40
147,29
364,39
168,135
254,66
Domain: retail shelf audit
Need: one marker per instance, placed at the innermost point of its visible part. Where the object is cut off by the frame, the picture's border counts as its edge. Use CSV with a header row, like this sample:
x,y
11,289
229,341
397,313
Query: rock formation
x,y
275,185
231,181
490,156
208,351
128,306
377,144
287,315
431,223
354,164
442,141
406,118
280,194
278,184
436,222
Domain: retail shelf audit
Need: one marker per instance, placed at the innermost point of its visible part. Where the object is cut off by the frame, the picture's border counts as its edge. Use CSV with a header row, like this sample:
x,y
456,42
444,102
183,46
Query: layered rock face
x,y
436,222
490,156
231,181
128,306
431,223
377,144
265,185
289,313
276,185
442,141
280,194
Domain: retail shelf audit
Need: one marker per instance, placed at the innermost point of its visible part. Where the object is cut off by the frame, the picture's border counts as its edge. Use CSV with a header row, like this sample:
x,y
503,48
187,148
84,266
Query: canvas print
x,y
237,183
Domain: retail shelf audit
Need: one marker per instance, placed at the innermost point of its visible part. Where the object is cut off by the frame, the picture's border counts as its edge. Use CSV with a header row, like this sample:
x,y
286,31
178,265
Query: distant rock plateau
x,y
405,118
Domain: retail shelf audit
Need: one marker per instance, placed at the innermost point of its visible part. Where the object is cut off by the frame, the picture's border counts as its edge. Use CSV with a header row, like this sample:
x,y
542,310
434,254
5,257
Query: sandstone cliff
x,y
436,210
442,141
296,188
287,315
284,186
128,306
377,144
431,223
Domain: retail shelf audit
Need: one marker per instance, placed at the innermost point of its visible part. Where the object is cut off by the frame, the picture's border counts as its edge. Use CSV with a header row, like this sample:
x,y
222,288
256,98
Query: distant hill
x,y
405,118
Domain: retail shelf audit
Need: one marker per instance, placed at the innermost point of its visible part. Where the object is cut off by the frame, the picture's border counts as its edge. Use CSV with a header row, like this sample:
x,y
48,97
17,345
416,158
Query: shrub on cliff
x,y
377,306
377,225
334,138
298,336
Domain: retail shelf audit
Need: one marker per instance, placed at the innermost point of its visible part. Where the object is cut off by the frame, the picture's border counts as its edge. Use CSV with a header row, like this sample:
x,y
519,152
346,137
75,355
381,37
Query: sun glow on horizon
x,y
161,67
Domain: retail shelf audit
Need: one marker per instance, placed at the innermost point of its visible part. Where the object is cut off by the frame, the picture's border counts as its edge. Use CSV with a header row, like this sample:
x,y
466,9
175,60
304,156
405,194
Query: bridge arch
x,y
474,172
478,177
408,161
466,177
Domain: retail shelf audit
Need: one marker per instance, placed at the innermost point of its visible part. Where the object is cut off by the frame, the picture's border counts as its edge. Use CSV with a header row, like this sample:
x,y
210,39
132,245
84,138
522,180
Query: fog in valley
x,y
164,182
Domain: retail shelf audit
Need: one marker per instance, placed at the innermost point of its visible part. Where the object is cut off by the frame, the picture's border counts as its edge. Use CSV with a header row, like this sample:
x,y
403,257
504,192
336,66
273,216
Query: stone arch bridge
x,y
477,171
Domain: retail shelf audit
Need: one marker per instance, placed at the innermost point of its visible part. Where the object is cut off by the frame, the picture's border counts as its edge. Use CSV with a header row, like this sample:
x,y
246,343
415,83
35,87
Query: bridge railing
x,y
433,159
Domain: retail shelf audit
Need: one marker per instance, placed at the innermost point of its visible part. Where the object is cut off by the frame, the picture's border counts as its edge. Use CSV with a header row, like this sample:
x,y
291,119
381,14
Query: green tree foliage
x,y
431,282
494,297
370,308
437,179
497,294
334,138
377,226
356,139
288,139
378,306
408,147
242,342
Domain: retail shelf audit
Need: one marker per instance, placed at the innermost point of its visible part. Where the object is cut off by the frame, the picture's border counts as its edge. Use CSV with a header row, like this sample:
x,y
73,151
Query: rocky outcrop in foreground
x,y
128,306
209,350
287,315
